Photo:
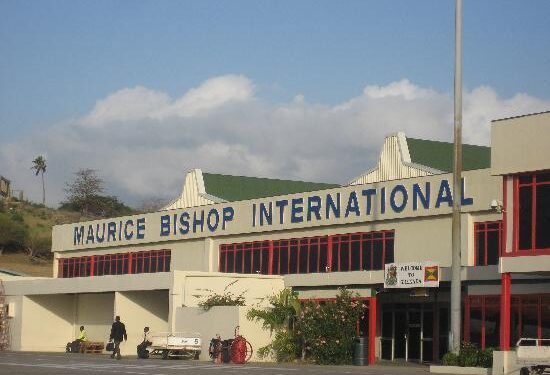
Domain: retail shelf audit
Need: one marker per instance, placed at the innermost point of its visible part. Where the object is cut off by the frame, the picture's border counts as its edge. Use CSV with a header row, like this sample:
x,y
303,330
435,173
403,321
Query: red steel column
x,y
505,307
270,262
372,330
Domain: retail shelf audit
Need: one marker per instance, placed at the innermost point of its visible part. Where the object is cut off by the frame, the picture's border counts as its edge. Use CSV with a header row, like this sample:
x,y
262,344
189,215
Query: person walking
x,y
118,333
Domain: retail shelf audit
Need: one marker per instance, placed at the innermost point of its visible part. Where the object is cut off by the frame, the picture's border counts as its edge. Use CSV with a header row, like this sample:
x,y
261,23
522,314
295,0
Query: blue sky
x,y
59,57
72,73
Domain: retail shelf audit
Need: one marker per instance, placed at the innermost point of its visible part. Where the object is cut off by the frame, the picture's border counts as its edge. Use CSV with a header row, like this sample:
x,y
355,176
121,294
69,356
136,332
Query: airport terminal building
x,y
386,235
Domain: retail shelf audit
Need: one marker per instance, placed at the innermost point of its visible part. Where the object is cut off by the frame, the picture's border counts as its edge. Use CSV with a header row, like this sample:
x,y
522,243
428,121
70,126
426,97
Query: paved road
x,y
22,363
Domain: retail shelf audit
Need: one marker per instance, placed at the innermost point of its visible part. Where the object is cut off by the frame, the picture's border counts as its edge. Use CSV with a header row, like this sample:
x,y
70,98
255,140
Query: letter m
x,y
79,235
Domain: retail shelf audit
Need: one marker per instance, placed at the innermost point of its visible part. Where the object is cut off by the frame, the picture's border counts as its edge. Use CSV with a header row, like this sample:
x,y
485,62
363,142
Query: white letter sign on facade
x,y
411,275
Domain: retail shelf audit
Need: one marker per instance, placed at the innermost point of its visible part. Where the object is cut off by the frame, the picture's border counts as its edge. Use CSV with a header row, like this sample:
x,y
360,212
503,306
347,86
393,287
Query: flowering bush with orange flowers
x,y
327,330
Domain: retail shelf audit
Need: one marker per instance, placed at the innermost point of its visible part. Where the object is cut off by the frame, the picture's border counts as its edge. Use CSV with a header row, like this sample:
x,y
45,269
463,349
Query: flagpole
x,y
457,187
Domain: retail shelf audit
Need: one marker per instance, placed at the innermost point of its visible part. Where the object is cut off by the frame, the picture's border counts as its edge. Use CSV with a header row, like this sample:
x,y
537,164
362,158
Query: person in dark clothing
x,y
142,351
118,333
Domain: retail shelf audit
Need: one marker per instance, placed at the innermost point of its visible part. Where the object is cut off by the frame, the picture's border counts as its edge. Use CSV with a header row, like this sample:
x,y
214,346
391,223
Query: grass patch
x,y
22,263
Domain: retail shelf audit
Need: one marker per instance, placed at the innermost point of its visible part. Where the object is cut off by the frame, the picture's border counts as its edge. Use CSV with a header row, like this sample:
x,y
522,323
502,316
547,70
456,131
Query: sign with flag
x,y
411,275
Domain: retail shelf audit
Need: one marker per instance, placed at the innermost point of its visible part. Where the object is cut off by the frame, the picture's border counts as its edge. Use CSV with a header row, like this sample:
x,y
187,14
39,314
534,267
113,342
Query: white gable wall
x,y
394,163
193,192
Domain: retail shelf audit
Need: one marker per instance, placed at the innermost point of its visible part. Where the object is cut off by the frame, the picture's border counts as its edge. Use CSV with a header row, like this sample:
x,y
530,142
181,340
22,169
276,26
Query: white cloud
x,y
403,88
212,94
140,103
127,105
142,141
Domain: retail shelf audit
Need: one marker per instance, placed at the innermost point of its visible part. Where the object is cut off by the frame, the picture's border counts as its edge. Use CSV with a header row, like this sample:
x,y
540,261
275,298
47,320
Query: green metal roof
x,y
439,155
236,188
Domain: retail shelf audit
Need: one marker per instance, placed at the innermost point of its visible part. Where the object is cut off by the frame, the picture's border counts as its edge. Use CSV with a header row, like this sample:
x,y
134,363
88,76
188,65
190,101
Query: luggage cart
x,y
533,355
186,345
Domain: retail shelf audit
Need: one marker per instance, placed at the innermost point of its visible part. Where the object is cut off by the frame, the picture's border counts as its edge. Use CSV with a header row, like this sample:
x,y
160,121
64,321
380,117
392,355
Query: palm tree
x,y
39,166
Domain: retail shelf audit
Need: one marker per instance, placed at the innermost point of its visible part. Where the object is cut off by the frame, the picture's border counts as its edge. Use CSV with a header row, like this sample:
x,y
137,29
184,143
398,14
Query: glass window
x,y
265,261
492,326
247,260
293,262
529,320
525,212
344,256
355,255
314,255
545,317
154,263
231,261
139,263
542,220
335,254
100,265
239,260
323,260
256,260
167,260
533,215
304,257
146,264
367,254
389,251
275,262
488,242
377,254
476,321
284,261
309,255
223,260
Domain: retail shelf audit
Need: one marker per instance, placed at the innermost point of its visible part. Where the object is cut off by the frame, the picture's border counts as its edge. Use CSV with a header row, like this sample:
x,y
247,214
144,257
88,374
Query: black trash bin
x,y
360,351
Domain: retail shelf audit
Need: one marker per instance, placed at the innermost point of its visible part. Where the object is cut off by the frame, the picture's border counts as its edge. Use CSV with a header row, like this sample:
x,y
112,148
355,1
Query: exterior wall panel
x,y
520,144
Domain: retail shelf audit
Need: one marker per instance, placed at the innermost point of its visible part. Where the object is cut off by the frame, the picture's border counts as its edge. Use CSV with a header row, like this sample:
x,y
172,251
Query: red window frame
x,y
253,257
311,254
115,264
518,184
519,302
483,229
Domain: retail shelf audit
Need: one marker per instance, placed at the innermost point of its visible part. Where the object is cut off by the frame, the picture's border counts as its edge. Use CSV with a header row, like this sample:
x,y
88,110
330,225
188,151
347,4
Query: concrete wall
x,y
94,311
15,323
44,286
189,255
48,322
520,144
254,288
138,310
539,263
221,320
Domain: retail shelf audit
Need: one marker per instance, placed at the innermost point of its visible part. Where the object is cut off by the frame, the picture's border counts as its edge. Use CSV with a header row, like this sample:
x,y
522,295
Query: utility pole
x,y
457,186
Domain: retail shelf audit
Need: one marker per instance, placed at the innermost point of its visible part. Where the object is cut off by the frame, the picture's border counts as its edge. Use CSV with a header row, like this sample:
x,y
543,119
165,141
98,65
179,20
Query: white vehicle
x,y
533,355
176,344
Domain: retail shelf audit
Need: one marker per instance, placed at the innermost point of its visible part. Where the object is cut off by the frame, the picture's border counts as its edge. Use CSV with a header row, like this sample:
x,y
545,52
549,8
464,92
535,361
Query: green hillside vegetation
x,y
25,234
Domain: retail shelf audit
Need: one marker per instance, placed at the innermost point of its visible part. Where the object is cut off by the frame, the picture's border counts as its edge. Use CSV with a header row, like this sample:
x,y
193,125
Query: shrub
x,y
13,232
450,359
279,318
468,355
226,298
328,331
284,347
486,358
